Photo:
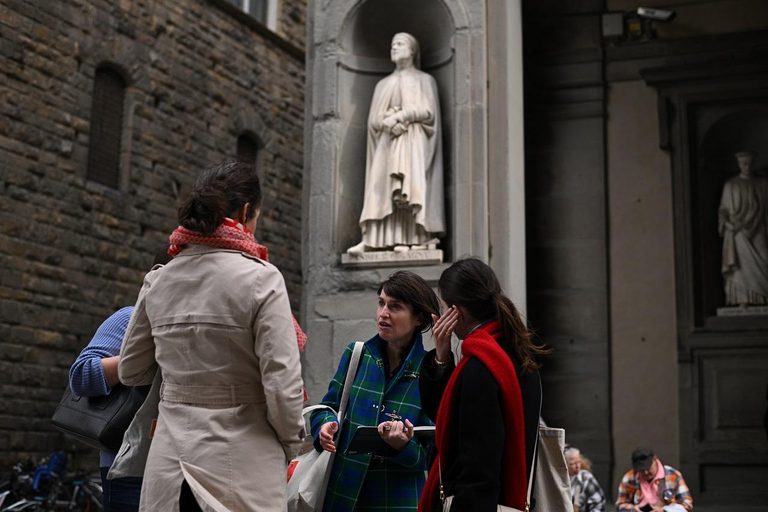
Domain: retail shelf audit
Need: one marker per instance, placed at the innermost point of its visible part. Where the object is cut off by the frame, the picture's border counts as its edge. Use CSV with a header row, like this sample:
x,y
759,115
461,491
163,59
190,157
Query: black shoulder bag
x,y
99,421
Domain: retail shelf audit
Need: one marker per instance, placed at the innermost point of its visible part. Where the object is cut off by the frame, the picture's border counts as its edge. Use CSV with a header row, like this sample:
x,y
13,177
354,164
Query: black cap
x,y
642,458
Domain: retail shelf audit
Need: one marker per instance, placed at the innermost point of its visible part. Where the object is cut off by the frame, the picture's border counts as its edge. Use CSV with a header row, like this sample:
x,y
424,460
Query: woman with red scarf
x,y
486,407
217,322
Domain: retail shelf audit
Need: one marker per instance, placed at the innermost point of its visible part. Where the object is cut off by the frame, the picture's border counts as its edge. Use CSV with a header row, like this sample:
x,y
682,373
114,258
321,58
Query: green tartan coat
x,y
386,481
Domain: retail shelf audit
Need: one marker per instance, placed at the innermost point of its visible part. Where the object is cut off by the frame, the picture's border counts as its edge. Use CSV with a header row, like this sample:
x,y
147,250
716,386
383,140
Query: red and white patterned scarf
x,y
230,235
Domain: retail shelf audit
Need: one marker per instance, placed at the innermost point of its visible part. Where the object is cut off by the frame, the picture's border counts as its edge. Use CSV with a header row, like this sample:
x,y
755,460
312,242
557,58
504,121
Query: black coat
x,y
472,474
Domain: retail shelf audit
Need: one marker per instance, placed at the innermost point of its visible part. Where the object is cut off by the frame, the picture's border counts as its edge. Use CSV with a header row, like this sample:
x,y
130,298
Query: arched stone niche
x,y
349,55
348,44
365,43
723,130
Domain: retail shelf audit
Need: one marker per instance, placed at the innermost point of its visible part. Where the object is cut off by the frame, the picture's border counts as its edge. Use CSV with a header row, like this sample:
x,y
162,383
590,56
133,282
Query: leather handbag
x,y
308,473
99,421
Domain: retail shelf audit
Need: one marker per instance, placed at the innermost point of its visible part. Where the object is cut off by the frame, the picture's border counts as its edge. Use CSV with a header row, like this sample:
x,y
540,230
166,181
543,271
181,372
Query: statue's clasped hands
x,y
394,123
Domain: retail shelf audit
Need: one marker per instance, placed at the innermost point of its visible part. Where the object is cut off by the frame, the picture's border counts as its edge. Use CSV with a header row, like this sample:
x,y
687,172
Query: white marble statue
x,y
743,224
403,204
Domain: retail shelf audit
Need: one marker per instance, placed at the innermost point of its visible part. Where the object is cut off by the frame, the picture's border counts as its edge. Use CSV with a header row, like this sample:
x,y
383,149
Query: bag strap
x,y
354,362
535,451
317,407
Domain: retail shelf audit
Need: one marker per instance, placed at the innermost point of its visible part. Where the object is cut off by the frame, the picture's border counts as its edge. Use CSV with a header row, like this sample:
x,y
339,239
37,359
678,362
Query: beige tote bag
x,y
552,492
308,473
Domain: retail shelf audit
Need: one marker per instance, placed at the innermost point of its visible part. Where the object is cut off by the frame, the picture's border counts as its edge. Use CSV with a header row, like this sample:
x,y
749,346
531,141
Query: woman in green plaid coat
x,y
385,394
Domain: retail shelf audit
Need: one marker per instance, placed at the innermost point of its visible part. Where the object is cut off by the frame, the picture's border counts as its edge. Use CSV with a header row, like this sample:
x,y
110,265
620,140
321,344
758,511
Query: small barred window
x,y
106,128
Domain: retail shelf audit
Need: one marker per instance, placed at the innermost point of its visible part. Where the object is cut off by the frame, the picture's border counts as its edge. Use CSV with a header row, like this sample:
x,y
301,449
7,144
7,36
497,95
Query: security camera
x,y
655,14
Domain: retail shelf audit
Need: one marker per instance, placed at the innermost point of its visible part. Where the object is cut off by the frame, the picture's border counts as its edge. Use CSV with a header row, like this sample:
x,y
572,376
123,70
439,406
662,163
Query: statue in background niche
x,y
403,205
743,224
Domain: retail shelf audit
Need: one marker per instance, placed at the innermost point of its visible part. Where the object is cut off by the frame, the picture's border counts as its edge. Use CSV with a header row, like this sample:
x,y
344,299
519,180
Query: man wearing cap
x,y
651,486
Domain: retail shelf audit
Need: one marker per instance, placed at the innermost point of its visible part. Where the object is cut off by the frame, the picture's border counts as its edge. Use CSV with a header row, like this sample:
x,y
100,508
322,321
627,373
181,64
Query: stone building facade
x,y
198,77
629,138
601,223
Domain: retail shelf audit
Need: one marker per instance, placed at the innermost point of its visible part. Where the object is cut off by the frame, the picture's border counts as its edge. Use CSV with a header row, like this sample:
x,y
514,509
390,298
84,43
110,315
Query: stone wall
x,y
292,20
72,251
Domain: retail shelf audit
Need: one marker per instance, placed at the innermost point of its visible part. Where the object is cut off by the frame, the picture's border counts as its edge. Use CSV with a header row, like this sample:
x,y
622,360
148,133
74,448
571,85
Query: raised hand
x,y
442,330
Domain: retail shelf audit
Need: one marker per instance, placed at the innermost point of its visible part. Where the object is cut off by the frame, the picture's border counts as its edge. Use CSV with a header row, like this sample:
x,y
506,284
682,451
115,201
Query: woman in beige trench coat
x,y
217,322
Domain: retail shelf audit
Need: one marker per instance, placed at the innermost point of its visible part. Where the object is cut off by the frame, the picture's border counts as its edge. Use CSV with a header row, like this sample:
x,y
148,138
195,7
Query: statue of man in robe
x,y
743,224
403,205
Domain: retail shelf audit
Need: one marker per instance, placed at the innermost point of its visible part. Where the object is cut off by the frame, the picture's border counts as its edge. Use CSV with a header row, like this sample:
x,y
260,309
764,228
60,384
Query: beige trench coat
x,y
218,324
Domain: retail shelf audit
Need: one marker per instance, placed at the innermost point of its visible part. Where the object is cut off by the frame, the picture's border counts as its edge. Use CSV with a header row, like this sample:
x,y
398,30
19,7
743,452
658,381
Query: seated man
x,y
651,486
586,494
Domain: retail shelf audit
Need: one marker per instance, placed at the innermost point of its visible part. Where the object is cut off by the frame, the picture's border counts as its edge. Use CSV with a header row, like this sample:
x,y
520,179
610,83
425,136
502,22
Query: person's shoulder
x,y
427,77
669,470
127,311
418,351
264,267
476,375
230,255
384,81
117,321
351,346
628,477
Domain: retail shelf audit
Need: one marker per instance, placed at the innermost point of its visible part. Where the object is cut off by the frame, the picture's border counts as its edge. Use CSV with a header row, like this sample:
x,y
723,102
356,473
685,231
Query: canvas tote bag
x,y
552,492
308,473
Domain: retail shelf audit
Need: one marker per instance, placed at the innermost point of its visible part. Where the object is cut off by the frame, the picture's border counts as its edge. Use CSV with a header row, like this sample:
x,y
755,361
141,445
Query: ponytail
x,y
516,331
218,193
203,210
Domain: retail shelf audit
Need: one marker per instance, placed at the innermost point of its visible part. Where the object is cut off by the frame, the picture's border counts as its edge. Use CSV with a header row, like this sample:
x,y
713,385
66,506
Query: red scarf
x,y
229,235
514,483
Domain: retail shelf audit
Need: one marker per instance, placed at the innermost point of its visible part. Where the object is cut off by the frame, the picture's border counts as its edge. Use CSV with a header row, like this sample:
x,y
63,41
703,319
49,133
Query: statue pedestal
x,y
743,311
392,259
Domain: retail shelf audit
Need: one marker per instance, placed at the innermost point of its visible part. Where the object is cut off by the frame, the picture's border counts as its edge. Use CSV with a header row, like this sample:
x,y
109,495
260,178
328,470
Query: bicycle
x,y
47,488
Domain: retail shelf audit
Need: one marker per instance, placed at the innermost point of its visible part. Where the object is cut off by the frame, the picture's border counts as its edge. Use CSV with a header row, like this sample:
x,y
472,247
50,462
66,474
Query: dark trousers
x,y
120,494
187,501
